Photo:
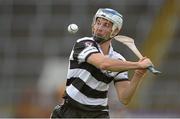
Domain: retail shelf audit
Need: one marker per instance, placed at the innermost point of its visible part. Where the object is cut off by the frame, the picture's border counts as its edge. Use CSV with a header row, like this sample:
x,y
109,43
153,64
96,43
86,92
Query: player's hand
x,y
145,62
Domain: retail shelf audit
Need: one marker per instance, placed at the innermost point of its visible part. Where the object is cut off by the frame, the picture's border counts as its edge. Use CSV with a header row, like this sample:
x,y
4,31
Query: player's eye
x,y
107,25
98,22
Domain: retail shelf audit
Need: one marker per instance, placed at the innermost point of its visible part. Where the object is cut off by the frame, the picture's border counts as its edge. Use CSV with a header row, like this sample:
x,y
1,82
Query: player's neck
x,y
105,47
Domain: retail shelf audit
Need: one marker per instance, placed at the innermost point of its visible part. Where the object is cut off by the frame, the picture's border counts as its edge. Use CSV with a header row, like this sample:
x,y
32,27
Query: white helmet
x,y
111,15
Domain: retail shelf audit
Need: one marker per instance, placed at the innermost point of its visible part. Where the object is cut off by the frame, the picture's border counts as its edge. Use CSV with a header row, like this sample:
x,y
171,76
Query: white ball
x,y
73,28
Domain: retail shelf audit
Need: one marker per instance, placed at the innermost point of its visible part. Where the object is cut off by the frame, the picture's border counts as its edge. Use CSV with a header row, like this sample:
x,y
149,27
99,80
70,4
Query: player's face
x,y
102,28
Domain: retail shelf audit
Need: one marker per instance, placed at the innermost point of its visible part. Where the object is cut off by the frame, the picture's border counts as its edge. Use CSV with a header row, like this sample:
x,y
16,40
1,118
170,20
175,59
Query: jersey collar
x,y
110,50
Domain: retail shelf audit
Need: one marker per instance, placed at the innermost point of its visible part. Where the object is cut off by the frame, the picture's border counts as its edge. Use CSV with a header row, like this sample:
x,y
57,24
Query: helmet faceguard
x,y
112,16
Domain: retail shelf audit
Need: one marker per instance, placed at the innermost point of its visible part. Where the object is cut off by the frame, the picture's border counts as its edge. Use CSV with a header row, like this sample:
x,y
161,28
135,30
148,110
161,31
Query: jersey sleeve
x,y
121,76
83,49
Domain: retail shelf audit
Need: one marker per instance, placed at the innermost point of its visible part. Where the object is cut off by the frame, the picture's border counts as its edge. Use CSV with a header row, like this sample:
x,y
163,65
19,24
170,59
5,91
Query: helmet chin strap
x,y
99,39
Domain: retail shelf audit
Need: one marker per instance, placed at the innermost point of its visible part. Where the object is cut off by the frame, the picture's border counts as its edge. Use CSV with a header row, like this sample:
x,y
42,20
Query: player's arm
x,y
105,63
126,89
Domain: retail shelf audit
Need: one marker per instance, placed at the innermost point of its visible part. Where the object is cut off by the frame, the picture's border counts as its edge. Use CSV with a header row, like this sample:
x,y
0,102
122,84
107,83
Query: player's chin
x,y
102,36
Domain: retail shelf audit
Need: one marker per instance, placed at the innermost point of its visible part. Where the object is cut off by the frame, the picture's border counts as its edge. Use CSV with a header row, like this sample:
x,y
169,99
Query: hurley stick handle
x,y
133,47
129,42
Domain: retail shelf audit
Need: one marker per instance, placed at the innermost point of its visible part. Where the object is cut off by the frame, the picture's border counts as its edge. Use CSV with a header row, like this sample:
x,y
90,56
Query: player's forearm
x,y
118,65
128,94
105,63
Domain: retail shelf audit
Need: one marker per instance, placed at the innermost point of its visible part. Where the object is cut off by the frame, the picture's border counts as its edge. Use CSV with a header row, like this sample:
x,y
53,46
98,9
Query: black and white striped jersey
x,y
87,86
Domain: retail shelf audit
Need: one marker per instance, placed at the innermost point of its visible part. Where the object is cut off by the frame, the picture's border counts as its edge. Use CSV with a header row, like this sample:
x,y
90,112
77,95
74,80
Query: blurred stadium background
x,y
35,46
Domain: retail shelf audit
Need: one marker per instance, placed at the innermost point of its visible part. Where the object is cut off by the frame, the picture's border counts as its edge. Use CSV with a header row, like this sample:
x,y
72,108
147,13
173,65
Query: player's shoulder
x,y
118,56
85,39
85,42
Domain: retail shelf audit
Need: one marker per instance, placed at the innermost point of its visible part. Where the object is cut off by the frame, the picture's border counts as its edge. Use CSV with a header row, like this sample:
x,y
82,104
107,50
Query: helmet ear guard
x,y
114,32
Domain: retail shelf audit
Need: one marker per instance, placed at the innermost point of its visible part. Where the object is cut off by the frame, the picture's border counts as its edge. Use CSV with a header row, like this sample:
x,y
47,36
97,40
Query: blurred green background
x,y
35,46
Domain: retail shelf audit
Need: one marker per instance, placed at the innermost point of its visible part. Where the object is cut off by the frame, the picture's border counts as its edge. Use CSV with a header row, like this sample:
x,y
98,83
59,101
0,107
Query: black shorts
x,y
66,111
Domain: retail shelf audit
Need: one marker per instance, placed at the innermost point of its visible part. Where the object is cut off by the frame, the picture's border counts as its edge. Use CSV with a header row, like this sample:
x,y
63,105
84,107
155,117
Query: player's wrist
x,y
139,65
139,73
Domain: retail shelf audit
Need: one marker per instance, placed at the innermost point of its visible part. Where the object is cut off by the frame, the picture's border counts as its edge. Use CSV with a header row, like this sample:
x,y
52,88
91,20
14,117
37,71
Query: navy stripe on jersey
x,y
96,73
69,81
76,104
85,89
